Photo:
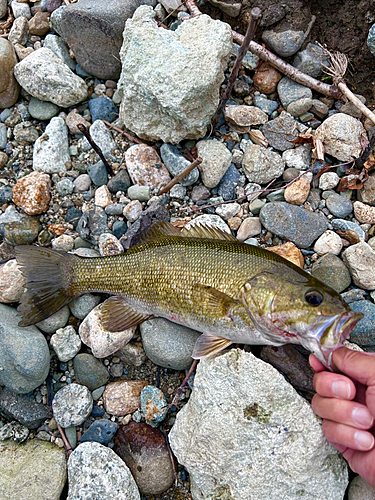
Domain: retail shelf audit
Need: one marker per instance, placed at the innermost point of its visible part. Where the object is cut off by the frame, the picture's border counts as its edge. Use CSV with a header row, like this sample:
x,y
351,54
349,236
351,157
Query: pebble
x,y
109,245
3,8
12,282
175,163
23,408
365,194
72,405
133,210
24,353
290,252
216,161
290,91
9,88
60,48
201,193
39,24
310,60
102,108
81,306
51,149
66,343
245,116
154,406
281,132
56,321
358,488
227,186
65,187
228,210
328,180
32,193
119,228
103,197
262,165
92,224
297,192
14,431
339,205
123,397
119,182
299,158
293,223
25,133
350,109
138,192
168,344
101,431
285,43
177,191
82,183
265,104
266,79
328,242
331,270
145,167
363,332
340,135
6,194
300,107
95,471
145,452
89,371
102,137
3,136
250,60
19,32
346,225
22,231
360,260
73,120
364,213
35,469
21,9
319,109
249,227
133,354
101,342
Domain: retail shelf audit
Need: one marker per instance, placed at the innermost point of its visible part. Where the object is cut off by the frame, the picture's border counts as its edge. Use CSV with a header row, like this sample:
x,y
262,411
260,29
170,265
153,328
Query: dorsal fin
x,y
204,231
158,230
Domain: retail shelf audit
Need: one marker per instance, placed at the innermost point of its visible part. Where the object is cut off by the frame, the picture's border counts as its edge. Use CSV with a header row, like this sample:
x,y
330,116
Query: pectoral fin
x,y
118,316
207,345
215,303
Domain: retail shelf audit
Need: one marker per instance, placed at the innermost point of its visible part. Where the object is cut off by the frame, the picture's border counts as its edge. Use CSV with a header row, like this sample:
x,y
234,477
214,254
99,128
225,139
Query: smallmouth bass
x,y
202,278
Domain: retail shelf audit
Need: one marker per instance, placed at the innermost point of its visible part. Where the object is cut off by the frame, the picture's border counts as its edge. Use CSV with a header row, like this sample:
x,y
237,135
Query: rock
x,y
32,193
332,271
101,431
339,205
109,245
340,134
299,157
299,107
24,354
102,108
328,180
119,182
227,186
249,227
12,282
101,342
229,7
216,161
328,242
65,187
352,110
145,167
310,60
154,406
89,371
60,48
21,9
255,419
290,91
261,165
364,213
92,224
178,106
297,192
63,243
360,259
23,408
103,197
82,183
73,120
144,451
35,469
358,488
58,320
266,79
19,32
250,60
3,136
66,343
176,163
42,110
9,88
371,39
319,108
228,210
39,24
133,210
245,116
3,8
285,43
140,193
25,133
46,77
344,226
22,52
367,193
96,471
363,332
121,398
281,132
201,193
51,149
290,252
14,431
293,223
72,405
22,231
168,344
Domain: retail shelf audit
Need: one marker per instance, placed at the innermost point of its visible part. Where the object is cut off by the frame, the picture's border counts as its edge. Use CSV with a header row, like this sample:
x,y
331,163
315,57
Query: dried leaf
x,y
347,183
317,145
370,162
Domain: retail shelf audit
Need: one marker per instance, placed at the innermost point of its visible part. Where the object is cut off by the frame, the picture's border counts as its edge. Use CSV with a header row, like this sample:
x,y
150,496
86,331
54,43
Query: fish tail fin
x,y
48,274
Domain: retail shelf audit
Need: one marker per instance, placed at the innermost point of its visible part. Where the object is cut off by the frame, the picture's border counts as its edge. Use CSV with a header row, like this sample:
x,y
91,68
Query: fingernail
x,y
362,416
341,389
364,440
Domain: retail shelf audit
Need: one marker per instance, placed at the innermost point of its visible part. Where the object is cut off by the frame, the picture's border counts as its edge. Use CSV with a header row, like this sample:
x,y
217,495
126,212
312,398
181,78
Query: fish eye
x,y
313,298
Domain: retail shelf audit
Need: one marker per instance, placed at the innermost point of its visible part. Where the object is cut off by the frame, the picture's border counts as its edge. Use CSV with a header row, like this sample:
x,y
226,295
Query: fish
x,y
202,278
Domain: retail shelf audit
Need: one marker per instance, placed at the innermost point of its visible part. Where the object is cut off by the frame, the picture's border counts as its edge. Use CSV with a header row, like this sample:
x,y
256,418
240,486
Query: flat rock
x,y
331,270
51,149
293,223
285,43
123,397
262,165
257,448
360,259
179,104
95,471
281,132
290,91
145,167
24,409
9,88
245,116
34,470
216,161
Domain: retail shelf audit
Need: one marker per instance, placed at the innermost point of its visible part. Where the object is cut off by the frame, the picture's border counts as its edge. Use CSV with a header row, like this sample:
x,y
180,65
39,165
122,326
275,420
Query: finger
x,y
315,364
355,364
342,411
348,436
334,385
362,462
340,447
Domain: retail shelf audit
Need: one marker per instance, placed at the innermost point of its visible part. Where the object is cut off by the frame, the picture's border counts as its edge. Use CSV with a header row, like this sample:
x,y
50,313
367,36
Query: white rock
x,y
341,135
209,220
103,197
95,471
64,243
228,210
133,210
258,440
360,260
216,161
237,156
328,180
44,75
12,282
328,242
66,343
72,405
360,490
101,136
170,80
262,165
365,214
299,157
51,149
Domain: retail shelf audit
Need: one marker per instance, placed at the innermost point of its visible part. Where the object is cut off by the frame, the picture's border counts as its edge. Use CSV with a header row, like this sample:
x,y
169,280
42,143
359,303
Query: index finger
x,y
357,365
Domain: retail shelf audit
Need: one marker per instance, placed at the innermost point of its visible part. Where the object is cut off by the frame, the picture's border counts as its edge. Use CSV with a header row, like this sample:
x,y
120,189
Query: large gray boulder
x,y
246,434
170,80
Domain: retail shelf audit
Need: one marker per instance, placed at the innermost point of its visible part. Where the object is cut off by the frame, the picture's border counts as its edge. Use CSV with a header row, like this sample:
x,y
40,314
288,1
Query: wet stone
x,y
23,408
331,270
101,431
90,371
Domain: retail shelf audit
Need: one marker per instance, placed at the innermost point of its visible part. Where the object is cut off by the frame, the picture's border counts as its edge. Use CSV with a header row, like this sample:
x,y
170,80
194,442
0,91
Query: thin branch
x,y
95,147
128,136
180,176
67,446
171,456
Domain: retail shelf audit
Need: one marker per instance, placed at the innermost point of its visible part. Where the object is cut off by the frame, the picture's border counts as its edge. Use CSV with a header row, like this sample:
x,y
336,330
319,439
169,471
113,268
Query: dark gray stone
x,y
119,182
98,173
92,224
290,91
285,43
6,194
89,371
293,223
102,108
175,162
281,132
23,408
101,431
310,60
227,186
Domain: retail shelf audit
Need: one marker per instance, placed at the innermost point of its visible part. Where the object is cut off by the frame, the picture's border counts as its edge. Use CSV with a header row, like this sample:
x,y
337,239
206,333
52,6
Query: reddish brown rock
x,y
39,24
290,252
32,193
145,167
123,397
73,120
266,79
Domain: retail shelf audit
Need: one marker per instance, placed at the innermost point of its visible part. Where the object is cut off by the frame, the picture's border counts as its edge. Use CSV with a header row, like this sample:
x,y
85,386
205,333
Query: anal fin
x,y
207,345
118,316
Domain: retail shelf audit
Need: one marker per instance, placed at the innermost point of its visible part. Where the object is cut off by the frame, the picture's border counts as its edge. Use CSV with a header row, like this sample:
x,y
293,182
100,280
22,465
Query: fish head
x,y
288,305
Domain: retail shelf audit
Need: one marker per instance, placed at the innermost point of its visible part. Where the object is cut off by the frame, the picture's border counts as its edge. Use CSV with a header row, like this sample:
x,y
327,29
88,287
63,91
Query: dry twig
x,y
67,446
95,147
180,176
128,136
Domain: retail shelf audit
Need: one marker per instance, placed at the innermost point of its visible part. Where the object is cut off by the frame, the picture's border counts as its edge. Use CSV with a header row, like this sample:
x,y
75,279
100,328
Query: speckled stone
x,y
32,193
245,116
290,91
216,161
72,405
153,405
360,259
281,132
12,282
66,343
331,270
145,167
123,397
262,165
290,252
101,431
339,205
364,213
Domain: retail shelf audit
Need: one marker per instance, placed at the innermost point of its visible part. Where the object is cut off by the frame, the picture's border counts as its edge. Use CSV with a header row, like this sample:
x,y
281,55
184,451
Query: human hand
x,y
346,402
